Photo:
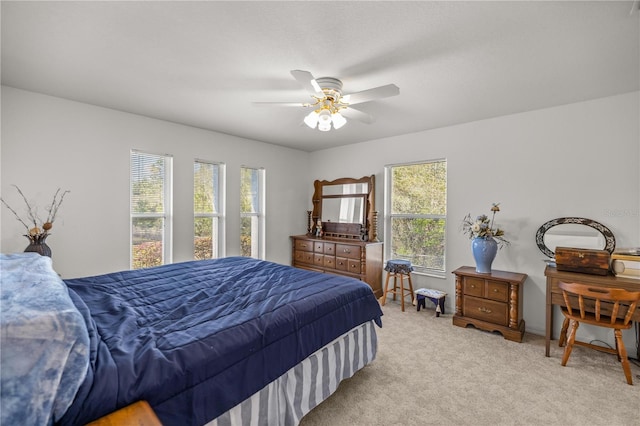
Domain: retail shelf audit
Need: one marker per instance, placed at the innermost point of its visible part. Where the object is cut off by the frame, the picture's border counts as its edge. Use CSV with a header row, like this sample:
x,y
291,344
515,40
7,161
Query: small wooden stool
x,y
436,296
395,269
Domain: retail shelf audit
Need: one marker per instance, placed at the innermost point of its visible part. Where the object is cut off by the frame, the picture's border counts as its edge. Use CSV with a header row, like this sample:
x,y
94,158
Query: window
x,y
252,212
150,209
208,211
416,214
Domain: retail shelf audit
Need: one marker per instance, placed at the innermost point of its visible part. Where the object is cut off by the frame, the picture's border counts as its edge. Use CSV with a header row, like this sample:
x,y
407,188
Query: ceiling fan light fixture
x,y
338,120
311,119
324,117
324,126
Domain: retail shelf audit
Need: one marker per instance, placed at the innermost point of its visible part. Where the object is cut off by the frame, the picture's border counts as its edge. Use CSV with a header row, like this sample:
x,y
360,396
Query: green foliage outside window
x,y
418,213
205,202
249,207
147,198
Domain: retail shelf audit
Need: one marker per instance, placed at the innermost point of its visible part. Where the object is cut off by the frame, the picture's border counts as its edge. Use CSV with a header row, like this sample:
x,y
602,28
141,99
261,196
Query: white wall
x,y
574,160
49,142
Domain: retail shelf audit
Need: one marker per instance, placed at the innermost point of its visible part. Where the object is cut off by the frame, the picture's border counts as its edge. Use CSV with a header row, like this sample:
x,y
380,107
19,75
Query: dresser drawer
x,y
342,263
329,261
318,259
474,287
486,310
353,266
497,290
349,251
329,248
304,245
304,256
318,246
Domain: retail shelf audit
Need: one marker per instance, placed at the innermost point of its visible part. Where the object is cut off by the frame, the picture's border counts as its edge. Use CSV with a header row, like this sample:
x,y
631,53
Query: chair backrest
x,y
617,297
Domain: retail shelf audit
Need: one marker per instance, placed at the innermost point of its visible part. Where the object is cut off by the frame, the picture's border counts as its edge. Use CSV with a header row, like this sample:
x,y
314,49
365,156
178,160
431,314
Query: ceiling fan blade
x,y
355,114
371,94
308,81
284,104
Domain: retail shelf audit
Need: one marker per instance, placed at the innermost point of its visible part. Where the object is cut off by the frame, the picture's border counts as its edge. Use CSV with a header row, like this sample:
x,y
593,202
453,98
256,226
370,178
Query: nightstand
x,y
490,302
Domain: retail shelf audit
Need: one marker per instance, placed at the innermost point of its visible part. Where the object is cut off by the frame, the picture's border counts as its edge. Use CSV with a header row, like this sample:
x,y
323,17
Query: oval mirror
x,y
575,232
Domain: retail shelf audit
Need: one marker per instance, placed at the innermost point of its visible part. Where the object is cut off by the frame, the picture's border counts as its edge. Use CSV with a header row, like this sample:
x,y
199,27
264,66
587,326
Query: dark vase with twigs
x,y
36,235
38,245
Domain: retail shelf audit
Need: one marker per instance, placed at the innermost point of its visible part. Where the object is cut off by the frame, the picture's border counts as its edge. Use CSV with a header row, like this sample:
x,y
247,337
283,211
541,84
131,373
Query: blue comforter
x,y
196,338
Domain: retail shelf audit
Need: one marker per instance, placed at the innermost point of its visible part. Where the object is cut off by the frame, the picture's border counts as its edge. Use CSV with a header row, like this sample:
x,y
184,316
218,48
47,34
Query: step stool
x,y
436,296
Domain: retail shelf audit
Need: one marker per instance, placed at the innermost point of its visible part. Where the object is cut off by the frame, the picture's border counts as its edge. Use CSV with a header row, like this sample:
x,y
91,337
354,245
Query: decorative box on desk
x,y
490,302
586,261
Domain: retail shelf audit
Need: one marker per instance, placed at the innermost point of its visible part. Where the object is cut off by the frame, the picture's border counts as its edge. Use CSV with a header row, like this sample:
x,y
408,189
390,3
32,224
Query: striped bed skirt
x,y
288,398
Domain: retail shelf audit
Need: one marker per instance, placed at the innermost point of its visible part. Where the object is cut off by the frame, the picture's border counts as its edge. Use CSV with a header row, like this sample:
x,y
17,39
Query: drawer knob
x,y
484,310
347,251
495,290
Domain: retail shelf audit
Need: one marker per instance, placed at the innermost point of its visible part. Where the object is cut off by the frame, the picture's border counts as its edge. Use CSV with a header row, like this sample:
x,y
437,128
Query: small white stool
x,y
436,296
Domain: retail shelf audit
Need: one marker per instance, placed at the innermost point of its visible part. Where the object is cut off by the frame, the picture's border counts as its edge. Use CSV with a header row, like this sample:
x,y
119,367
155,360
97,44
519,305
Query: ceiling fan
x,y
330,106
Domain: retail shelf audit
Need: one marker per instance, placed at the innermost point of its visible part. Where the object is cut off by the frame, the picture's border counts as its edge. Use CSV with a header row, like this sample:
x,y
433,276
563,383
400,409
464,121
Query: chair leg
x,y
563,332
622,354
571,340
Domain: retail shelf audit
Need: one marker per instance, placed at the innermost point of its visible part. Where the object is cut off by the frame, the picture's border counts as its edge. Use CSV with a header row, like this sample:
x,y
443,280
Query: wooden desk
x,y
554,295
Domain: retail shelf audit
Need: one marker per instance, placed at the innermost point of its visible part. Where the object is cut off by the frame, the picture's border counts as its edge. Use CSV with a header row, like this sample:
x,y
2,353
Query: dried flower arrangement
x,y
482,227
35,232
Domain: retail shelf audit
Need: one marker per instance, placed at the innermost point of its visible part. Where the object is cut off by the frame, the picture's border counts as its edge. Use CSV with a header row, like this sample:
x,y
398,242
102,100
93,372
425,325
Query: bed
x,y
225,341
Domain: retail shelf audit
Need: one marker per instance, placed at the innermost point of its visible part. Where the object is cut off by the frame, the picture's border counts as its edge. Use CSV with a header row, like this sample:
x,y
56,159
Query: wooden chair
x,y
603,307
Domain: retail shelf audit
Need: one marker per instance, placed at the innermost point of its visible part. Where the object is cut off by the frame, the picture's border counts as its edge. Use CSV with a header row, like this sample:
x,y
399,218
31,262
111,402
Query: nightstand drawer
x,y
486,310
497,291
474,287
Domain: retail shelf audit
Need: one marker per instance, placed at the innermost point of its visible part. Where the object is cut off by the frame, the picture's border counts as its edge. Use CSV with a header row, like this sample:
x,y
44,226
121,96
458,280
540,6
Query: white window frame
x,y
219,230
257,247
388,216
167,215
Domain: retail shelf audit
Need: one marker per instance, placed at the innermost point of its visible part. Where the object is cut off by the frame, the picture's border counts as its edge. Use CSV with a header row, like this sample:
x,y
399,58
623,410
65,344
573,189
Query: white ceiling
x,y
203,64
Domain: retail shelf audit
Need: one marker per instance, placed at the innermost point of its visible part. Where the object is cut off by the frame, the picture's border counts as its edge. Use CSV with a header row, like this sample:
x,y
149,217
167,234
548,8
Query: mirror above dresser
x,y
342,232
346,208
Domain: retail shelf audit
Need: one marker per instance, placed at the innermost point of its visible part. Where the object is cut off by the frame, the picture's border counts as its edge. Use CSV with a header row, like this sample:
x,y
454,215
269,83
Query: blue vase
x,y
484,251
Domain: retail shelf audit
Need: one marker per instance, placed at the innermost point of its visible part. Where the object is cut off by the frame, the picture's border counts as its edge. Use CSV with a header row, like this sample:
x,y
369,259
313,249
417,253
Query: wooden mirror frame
x,y
368,231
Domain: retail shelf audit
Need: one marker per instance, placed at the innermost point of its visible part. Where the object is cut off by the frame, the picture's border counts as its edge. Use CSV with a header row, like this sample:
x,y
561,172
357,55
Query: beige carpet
x,y
429,372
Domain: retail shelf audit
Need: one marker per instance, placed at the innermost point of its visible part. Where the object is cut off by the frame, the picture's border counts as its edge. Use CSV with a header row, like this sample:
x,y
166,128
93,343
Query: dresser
x,y
490,302
357,259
